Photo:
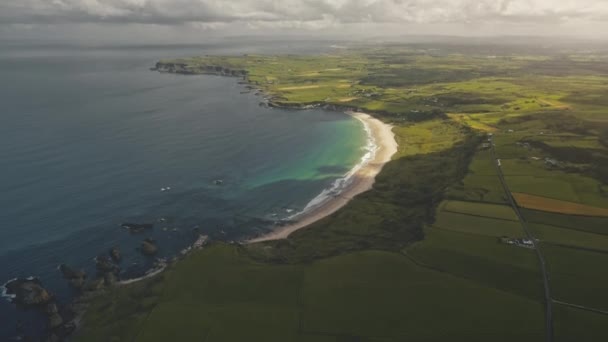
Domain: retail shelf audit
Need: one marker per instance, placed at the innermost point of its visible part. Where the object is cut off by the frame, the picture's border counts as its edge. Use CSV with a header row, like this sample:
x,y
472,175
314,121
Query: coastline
x,y
383,147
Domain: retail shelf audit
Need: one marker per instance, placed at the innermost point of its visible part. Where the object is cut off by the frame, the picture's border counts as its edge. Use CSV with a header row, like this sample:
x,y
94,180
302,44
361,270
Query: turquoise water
x,y
90,136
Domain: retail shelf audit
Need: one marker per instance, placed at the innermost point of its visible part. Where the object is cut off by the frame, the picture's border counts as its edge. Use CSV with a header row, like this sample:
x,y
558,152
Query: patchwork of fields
x,y
564,202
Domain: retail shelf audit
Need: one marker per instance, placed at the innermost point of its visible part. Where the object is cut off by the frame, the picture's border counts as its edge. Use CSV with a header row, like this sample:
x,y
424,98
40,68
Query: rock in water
x,y
115,254
70,273
136,228
28,292
77,283
148,247
105,265
54,318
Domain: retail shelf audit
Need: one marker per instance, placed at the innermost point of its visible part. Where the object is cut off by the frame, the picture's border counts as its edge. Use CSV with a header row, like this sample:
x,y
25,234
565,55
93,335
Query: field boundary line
x,y
456,231
564,227
480,216
585,249
581,307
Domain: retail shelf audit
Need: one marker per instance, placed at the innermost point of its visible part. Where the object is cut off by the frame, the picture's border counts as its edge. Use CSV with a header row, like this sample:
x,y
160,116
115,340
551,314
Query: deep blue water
x,y
89,136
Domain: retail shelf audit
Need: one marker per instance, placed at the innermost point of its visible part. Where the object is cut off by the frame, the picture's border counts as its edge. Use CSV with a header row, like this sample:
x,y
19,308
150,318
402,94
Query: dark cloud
x,y
301,14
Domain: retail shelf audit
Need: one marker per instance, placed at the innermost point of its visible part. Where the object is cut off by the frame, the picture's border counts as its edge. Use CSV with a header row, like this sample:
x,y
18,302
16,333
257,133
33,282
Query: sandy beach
x,y
362,180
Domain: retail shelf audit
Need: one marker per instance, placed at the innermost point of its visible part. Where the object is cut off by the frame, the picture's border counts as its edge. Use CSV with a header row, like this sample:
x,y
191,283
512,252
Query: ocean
x,y
89,136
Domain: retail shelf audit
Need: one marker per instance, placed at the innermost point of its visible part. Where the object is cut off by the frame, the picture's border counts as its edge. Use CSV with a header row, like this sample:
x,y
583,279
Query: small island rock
x,y
70,273
148,247
105,265
28,292
115,254
54,318
136,228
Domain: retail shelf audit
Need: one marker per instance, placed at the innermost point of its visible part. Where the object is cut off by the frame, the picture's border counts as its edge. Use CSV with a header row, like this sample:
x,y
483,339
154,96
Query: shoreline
x,y
383,147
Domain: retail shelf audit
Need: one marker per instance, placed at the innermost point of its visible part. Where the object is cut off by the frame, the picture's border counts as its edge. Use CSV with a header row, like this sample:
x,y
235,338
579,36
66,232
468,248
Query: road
x,y
539,254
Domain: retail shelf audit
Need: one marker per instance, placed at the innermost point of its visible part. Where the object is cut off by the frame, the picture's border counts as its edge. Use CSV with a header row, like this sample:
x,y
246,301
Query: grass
x,y
480,258
503,212
597,225
531,177
481,183
578,325
569,237
426,137
478,225
578,276
361,296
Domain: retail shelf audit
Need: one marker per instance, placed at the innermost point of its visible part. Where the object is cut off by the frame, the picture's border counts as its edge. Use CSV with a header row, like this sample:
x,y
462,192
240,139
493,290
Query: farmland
x,y
556,206
426,252
204,298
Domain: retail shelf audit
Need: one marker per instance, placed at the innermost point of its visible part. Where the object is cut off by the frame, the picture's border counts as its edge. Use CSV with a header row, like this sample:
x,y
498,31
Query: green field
x,y
570,237
220,295
578,325
578,276
597,225
503,212
478,225
482,259
481,183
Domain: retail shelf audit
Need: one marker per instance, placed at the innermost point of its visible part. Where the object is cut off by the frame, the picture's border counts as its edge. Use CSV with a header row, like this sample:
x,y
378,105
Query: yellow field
x,y
466,120
309,74
347,99
557,206
300,87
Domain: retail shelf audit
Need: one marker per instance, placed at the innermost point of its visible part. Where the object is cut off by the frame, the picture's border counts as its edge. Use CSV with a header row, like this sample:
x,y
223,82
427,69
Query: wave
x,y
340,184
5,291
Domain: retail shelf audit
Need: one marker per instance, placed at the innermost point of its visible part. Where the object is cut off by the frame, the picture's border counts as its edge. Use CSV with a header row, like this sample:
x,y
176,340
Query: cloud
x,y
305,14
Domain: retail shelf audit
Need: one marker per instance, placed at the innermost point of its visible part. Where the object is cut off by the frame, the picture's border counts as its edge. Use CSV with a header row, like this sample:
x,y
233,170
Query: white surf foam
x,y
9,297
338,186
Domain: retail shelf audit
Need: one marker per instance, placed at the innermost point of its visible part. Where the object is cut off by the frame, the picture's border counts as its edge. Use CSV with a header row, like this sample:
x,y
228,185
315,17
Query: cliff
x,y
185,68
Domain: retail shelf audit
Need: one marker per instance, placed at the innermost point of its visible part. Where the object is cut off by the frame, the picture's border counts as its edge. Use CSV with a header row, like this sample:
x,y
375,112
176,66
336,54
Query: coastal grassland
x,y
221,294
481,183
578,276
426,137
573,324
121,311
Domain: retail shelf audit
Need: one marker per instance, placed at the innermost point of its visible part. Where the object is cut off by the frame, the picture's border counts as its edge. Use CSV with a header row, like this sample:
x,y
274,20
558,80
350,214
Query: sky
x,y
193,20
